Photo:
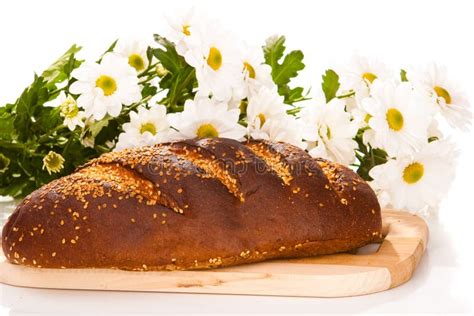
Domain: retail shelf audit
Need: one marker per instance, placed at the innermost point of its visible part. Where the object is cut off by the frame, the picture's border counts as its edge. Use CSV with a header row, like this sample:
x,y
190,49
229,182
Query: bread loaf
x,y
193,204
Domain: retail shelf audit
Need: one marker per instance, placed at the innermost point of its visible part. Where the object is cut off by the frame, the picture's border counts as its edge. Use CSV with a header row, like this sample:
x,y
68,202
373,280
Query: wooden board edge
x,y
337,284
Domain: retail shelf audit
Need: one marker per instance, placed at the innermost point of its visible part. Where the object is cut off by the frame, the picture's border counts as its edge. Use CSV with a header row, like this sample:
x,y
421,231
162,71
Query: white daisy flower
x,y
134,52
69,110
329,131
146,127
263,105
359,75
103,88
257,74
417,181
217,62
398,117
182,29
445,95
205,118
284,128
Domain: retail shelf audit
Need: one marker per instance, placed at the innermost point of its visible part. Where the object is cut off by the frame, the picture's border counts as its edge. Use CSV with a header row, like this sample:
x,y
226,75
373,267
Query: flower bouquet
x,y
199,80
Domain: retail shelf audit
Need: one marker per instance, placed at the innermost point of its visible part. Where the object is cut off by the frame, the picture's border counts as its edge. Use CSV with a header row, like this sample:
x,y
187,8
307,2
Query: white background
x,y
400,33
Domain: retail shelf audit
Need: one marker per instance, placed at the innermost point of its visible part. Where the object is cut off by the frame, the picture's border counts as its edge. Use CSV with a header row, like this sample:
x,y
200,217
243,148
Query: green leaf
x,y
330,84
6,125
368,157
289,68
168,57
403,75
55,73
273,50
26,106
181,78
291,95
284,71
14,189
181,84
110,49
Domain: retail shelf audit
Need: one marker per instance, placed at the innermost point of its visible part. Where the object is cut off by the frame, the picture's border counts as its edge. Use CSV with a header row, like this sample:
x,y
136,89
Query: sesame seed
x,y
132,220
53,254
63,241
61,222
155,215
344,201
73,241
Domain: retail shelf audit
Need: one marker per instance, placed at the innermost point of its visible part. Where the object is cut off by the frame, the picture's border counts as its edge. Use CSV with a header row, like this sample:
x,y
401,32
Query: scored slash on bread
x,y
193,204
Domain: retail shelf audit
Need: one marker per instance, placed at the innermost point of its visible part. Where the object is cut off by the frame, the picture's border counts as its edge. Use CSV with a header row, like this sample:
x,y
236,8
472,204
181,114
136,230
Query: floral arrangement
x,y
200,81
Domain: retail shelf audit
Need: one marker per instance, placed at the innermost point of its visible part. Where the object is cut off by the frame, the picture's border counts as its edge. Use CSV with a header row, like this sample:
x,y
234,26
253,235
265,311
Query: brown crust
x,y
193,204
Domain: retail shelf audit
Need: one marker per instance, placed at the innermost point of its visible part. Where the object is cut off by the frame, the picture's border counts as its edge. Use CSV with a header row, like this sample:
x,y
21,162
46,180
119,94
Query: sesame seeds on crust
x,y
274,161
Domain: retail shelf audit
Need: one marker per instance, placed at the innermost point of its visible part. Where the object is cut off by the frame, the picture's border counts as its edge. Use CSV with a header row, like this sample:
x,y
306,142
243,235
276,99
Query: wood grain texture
x,y
394,262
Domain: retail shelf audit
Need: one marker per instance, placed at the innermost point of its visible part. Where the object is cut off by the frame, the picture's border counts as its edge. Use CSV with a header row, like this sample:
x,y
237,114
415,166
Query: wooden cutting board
x,y
392,264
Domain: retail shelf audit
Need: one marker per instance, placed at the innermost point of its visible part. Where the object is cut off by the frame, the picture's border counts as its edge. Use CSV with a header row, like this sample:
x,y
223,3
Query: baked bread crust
x,y
193,204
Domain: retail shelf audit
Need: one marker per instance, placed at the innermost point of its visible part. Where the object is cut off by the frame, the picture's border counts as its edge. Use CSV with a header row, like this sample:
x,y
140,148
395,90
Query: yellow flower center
x,y
107,84
262,118
367,118
207,131
186,30
368,76
443,93
413,173
53,162
69,108
148,127
394,119
136,61
250,70
214,59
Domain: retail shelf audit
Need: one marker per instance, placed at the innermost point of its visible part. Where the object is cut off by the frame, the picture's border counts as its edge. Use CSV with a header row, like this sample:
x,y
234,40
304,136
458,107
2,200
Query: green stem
x,y
45,137
294,111
147,71
348,95
147,80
